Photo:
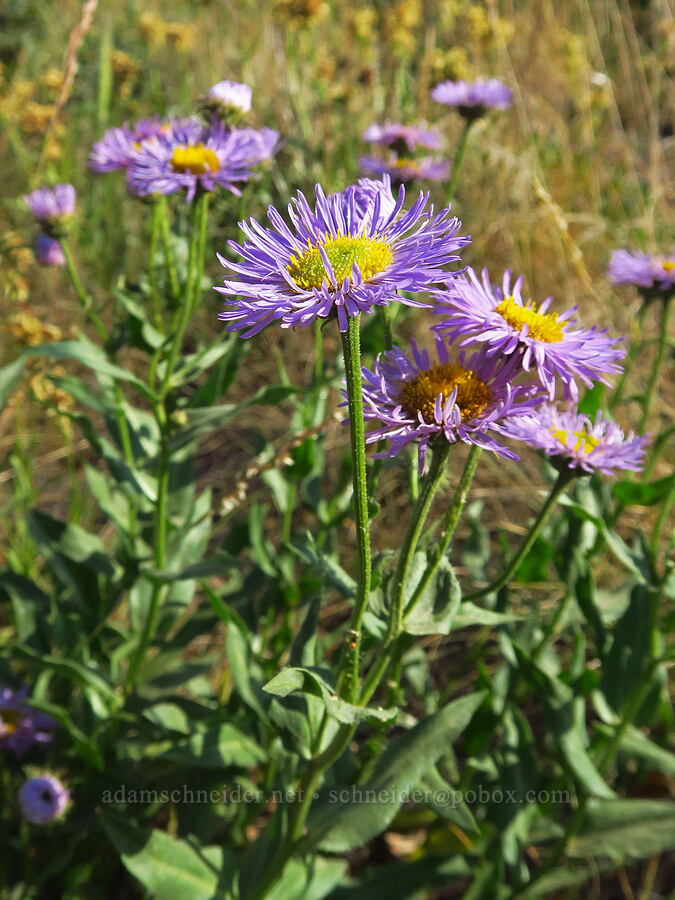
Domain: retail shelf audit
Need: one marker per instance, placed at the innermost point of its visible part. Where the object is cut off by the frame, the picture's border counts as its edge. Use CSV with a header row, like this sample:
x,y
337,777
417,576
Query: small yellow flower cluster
x,y
300,12
43,389
29,331
402,25
15,262
125,70
157,32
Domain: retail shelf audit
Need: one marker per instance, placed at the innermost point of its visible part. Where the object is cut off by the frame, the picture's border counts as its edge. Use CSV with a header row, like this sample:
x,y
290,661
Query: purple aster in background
x,y
21,726
348,253
192,155
420,398
117,146
401,168
229,96
393,134
52,205
654,274
508,325
473,98
48,250
42,799
575,442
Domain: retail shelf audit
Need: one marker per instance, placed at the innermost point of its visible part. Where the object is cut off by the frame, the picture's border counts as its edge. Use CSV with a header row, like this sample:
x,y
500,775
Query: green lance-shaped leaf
x,y
169,868
313,681
341,822
435,610
625,829
9,375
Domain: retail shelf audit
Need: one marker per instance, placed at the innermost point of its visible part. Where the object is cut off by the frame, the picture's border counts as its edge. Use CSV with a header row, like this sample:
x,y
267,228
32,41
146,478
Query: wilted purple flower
x,y
473,98
401,168
576,442
192,155
42,799
117,146
230,95
422,399
508,325
353,251
51,205
20,725
654,273
392,134
48,250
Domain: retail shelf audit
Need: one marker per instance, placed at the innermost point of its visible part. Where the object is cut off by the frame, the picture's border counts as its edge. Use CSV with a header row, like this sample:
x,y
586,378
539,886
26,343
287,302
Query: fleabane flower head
x,y
473,98
43,799
575,442
21,727
344,255
52,206
192,155
408,137
421,398
404,169
116,148
652,274
229,97
510,326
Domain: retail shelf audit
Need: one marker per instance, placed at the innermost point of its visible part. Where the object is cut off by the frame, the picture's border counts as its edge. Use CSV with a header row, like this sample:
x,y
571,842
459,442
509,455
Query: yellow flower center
x,y
195,158
403,162
575,440
371,254
541,326
668,265
419,395
9,719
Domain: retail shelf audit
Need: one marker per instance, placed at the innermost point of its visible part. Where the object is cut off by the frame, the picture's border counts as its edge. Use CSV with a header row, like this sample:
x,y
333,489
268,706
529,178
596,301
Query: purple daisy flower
x,y
191,155
354,250
575,442
48,250
116,148
393,134
230,95
52,205
473,98
43,799
422,399
20,725
654,273
508,325
401,168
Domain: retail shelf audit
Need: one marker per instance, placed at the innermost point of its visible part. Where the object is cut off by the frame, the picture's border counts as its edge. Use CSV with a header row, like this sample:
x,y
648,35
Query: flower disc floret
x,y
509,325
418,398
575,442
343,256
194,158
308,269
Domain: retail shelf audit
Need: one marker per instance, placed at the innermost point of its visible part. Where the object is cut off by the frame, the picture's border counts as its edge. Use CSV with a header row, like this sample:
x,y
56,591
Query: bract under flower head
x,y
473,98
116,148
418,398
43,799
48,250
391,134
230,95
577,443
404,169
192,155
509,325
52,205
21,726
349,253
649,272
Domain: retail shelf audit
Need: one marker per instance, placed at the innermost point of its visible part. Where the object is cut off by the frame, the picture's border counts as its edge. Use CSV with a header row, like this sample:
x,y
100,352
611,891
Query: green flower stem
x,y
658,362
202,224
352,357
419,515
661,519
384,312
199,213
559,488
458,158
450,522
82,296
152,268
165,228
634,350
